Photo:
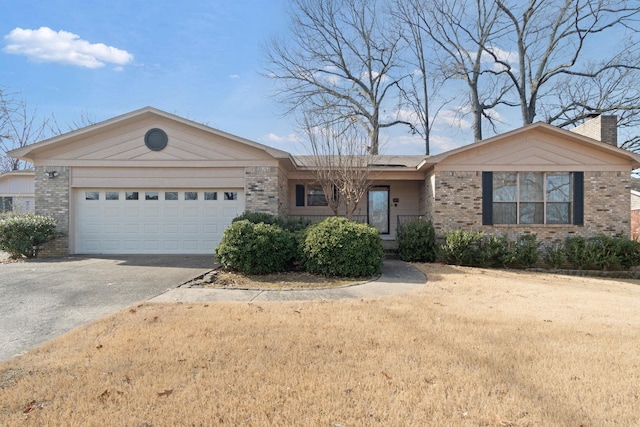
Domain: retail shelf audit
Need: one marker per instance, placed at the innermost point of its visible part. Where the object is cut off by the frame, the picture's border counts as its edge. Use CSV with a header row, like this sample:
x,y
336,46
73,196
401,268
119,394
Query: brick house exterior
x,y
114,189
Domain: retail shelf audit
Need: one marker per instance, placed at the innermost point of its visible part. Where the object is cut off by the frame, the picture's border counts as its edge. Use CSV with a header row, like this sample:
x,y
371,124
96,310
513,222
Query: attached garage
x,y
153,221
149,182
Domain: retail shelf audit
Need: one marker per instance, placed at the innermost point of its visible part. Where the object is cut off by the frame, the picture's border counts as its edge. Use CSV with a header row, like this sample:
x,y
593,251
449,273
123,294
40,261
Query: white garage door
x,y
141,221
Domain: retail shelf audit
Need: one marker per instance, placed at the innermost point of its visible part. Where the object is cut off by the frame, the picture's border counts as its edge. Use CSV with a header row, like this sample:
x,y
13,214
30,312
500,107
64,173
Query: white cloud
x,y
277,139
234,76
63,47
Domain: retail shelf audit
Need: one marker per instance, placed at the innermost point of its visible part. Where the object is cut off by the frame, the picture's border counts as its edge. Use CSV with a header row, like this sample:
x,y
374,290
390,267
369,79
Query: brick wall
x,y
52,199
458,204
283,194
262,189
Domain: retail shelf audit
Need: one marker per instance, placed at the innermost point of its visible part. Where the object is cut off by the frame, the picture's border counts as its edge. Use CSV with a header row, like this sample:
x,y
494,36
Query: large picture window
x,y
315,196
532,198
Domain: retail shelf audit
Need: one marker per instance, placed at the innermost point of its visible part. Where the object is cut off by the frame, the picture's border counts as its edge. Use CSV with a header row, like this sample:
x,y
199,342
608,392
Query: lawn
x,y
473,347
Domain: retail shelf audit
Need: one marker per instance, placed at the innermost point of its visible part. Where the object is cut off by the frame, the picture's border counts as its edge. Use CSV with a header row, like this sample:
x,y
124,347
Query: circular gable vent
x,y
156,139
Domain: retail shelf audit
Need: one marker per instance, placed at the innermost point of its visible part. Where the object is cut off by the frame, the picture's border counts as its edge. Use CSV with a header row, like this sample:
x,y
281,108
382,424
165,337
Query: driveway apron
x,y
42,299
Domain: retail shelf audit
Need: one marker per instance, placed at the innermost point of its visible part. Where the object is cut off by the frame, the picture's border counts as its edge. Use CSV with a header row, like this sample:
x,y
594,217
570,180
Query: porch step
x,y
391,254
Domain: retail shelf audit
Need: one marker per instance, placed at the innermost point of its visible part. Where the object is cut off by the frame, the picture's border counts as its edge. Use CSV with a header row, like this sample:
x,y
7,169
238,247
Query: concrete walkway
x,y
397,277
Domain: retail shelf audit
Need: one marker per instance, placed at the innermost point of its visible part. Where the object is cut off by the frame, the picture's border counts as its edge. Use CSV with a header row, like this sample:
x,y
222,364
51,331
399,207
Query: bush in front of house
x,y
595,253
256,248
417,241
475,248
462,247
339,247
523,252
291,224
22,234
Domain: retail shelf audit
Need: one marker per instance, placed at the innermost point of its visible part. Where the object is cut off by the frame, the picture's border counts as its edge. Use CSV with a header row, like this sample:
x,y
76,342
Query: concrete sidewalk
x,y
397,277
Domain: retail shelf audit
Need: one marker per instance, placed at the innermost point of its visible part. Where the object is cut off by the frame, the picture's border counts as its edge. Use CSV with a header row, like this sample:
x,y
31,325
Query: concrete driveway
x,y
42,299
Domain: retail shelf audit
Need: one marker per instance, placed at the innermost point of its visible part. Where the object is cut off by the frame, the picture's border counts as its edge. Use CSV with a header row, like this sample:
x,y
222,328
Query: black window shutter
x,y
578,198
299,194
487,198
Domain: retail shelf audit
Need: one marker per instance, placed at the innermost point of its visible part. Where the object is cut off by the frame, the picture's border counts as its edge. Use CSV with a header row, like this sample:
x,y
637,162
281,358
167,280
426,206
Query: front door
x,y
378,208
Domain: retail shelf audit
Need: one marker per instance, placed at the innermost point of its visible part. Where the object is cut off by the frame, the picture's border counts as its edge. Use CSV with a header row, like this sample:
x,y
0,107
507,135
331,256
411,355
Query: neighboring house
x,y
151,182
17,191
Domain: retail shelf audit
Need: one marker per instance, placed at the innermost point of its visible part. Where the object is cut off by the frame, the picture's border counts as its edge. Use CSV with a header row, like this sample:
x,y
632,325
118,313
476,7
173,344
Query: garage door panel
x,y
172,221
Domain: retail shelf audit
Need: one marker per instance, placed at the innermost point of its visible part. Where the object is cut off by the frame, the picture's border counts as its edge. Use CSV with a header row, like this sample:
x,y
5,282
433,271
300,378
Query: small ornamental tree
x,y
22,234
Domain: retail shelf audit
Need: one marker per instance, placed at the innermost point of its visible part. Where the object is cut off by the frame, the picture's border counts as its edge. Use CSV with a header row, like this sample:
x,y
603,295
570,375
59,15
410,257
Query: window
x,y
151,195
112,195
131,195
191,195
230,195
210,195
6,204
91,195
315,196
531,197
171,195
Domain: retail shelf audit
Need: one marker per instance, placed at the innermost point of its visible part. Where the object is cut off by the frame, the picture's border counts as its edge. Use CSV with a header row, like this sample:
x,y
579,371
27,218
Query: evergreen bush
x,y
22,234
256,248
339,247
417,241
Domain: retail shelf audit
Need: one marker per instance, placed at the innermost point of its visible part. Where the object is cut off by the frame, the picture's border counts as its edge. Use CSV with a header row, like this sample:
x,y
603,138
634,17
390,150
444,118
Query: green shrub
x,y
462,247
555,256
22,234
523,253
493,251
337,246
293,225
602,252
256,248
628,252
417,241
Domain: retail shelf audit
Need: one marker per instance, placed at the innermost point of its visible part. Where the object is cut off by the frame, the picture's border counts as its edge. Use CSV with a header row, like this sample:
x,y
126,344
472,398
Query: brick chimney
x,y
601,128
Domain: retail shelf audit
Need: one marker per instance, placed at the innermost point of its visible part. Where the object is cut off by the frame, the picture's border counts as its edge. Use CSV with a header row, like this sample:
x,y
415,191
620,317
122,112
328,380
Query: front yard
x,y
473,347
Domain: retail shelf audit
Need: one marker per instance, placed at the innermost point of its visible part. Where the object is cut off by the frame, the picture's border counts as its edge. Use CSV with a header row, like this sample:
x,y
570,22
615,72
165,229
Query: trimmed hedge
x,y
256,248
477,249
417,241
22,234
337,246
595,253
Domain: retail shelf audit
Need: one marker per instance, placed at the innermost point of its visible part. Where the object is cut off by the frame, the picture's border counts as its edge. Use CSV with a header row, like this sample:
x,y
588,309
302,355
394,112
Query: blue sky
x,y
199,59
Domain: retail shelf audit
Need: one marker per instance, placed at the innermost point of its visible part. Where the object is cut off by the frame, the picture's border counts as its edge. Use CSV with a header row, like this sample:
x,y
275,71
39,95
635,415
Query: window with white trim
x,y
532,198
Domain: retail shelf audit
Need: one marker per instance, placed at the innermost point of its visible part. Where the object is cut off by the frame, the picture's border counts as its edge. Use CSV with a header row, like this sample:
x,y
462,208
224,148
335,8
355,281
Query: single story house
x,y
17,192
152,182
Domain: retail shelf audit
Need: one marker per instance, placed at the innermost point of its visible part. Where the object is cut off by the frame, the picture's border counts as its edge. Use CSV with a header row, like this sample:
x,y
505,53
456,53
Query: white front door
x,y
150,221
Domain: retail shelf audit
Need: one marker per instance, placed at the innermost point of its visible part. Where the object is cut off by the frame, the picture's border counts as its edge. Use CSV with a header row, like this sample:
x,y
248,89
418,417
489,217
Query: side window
x,y
171,195
191,195
210,195
315,196
230,195
131,195
92,195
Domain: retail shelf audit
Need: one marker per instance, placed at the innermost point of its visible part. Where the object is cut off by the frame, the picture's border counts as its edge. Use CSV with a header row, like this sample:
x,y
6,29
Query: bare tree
x,y
19,126
551,41
341,164
421,83
613,92
341,63
462,32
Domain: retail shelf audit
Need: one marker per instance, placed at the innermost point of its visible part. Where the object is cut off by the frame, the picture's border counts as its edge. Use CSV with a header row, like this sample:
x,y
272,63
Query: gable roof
x,y
540,128
29,151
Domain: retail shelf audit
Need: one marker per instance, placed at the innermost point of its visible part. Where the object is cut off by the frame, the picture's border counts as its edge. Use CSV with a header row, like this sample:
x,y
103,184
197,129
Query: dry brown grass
x,y
473,348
